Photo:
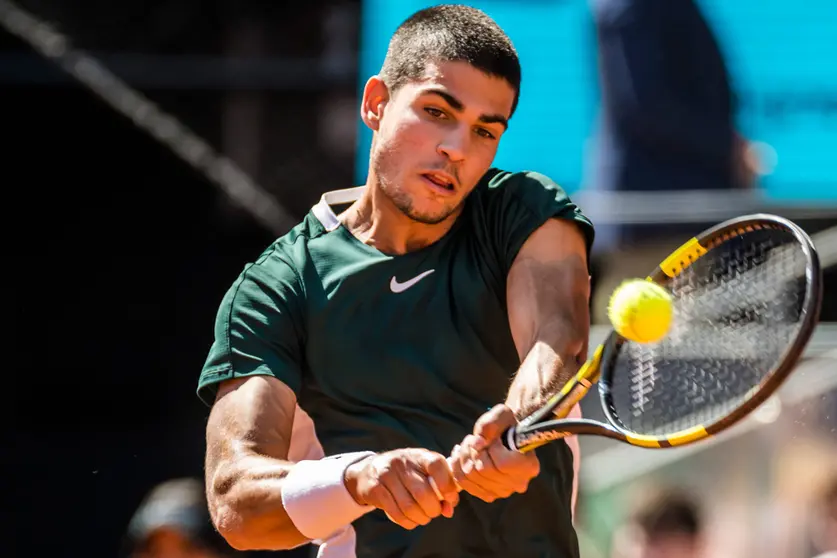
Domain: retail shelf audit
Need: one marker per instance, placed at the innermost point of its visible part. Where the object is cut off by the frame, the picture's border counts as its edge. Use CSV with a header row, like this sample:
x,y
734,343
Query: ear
x,y
375,99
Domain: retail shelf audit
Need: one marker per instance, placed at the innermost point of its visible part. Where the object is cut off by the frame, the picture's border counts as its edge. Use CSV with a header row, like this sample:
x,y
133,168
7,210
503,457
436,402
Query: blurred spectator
x,y
173,522
668,104
668,525
824,528
667,120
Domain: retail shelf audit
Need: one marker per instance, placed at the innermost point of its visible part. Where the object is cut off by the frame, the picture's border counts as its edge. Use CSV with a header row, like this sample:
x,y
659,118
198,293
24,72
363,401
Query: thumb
x,y
494,422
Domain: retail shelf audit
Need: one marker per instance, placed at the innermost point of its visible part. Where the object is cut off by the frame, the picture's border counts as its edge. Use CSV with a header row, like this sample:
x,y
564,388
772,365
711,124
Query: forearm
x,y
248,436
245,500
550,325
541,374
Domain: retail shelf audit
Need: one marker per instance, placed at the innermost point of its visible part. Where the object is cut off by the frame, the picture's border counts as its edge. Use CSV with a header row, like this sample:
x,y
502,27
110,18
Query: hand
x,y
412,486
483,466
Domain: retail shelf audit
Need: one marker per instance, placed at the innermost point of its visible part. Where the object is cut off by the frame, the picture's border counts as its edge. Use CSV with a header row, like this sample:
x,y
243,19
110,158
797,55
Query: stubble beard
x,y
402,201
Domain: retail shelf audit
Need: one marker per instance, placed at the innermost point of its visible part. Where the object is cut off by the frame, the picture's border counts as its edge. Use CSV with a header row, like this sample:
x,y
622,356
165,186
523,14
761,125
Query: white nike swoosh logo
x,y
397,287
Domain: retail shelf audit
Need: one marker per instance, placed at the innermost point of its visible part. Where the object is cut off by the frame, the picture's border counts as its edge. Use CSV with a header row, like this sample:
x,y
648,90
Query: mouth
x,y
440,181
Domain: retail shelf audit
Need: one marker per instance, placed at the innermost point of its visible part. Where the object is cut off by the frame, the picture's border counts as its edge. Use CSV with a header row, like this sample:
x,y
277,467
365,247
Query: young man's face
x,y
436,137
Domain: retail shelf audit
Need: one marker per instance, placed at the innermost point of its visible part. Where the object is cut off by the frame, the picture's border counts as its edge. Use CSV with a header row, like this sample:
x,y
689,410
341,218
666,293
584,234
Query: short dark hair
x,y
669,512
450,33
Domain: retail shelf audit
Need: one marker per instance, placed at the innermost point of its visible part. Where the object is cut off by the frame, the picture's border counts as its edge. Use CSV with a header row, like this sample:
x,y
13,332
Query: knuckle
x,y
435,459
385,474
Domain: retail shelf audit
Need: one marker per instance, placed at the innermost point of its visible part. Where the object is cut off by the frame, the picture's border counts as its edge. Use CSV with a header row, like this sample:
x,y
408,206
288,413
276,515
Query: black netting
x,y
736,312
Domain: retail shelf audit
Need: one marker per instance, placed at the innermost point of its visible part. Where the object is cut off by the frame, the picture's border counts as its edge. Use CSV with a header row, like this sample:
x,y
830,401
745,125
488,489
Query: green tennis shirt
x,y
393,351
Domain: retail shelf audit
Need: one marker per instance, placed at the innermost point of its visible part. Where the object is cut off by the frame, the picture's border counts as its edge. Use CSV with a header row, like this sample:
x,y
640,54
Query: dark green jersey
x,y
388,352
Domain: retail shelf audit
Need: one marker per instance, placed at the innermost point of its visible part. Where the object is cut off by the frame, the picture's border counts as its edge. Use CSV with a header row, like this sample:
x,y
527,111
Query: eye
x,y
434,112
482,132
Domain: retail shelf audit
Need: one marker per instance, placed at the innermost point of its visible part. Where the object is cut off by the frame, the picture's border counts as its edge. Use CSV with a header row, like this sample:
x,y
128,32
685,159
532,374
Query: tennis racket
x,y
746,295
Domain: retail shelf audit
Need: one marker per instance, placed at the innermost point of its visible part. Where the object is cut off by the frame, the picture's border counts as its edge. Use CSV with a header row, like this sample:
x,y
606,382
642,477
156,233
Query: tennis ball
x,y
640,310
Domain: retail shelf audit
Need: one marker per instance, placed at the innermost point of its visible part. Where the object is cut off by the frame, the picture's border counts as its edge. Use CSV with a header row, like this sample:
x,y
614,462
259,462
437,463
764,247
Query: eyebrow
x,y
457,105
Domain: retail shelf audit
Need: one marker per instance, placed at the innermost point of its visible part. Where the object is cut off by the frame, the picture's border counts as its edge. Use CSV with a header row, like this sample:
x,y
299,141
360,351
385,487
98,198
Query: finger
x,y
446,506
450,461
477,484
438,472
416,482
494,422
468,485
404,499
482,472
387,503
477,491
481,462
517,469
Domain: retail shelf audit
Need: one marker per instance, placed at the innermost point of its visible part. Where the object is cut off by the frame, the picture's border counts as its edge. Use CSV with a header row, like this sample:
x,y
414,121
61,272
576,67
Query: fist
x,y
484,467
412,486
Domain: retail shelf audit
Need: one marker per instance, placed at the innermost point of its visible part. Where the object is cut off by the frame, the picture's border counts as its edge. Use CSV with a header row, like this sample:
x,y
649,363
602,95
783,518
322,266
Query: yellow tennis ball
x,y
640,310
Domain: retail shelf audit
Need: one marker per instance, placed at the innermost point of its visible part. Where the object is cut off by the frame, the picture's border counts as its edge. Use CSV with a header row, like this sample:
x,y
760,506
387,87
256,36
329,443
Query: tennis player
x,y
406,323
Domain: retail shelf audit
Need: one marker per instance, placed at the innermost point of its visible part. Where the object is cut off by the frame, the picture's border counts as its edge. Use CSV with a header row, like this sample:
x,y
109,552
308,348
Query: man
x,y
668,108
667,123
668,525
446,301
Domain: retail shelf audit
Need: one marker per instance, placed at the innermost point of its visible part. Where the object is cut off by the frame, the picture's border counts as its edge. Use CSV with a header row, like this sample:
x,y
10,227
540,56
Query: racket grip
x,y
508,438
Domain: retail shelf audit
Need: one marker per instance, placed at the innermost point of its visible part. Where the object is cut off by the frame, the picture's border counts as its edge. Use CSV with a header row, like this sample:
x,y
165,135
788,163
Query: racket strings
x,y
736,311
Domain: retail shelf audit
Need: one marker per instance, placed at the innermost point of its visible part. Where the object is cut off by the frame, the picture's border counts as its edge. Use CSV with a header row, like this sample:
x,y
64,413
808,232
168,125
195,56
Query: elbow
x,y
246,527
230,525
225,510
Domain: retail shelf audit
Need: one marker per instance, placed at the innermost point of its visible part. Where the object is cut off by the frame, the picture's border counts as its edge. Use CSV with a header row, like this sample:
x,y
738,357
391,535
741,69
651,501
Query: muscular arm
x,y
247,436
548,291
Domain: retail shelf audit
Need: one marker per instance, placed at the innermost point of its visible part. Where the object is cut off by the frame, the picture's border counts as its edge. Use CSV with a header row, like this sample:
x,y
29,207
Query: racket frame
x,y
533,431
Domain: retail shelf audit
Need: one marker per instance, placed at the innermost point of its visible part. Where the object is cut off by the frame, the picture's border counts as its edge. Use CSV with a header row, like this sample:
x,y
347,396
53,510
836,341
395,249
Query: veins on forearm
x,y
551,322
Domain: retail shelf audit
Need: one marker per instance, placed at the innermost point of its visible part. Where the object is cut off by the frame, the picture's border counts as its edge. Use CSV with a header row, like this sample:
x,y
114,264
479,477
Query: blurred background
x,y
155,147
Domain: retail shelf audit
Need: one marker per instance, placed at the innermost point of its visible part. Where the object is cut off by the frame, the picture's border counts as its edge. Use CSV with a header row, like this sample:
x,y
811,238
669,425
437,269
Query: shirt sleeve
x,y
519,203
257,328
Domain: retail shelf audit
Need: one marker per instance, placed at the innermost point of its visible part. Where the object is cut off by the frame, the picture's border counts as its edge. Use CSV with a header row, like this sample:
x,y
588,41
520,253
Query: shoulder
x,y
287,255
527,192
275,274
523,185
510,206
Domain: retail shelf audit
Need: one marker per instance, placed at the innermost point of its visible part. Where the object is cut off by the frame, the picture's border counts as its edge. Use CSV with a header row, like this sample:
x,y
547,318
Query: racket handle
x,y
508,438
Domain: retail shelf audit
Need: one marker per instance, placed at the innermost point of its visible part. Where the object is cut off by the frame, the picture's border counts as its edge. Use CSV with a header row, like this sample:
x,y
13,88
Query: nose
x,y
454,145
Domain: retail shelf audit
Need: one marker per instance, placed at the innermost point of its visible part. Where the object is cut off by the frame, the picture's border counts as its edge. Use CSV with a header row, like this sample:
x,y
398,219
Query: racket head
x,y
669,393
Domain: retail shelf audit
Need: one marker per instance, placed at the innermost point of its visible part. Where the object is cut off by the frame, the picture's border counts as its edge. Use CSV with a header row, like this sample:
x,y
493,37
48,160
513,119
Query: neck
x,y
376,221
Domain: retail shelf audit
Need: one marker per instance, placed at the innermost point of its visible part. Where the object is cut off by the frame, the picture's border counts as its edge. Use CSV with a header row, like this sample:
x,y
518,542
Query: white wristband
x,y
315,496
